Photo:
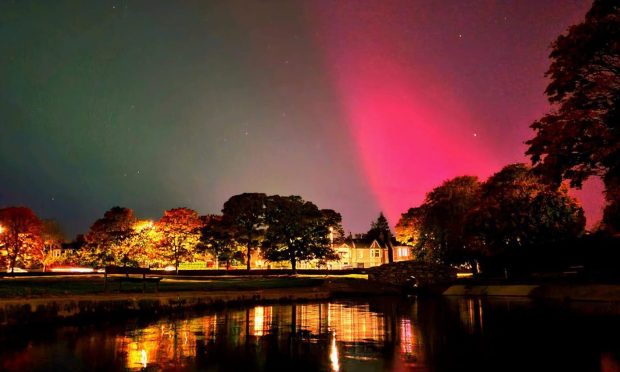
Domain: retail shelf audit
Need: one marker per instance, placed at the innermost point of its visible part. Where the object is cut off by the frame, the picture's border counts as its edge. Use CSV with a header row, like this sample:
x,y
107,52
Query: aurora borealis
x,y
359,106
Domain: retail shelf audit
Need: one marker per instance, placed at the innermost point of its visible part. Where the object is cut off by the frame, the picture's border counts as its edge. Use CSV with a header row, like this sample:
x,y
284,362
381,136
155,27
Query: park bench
x,y
139,276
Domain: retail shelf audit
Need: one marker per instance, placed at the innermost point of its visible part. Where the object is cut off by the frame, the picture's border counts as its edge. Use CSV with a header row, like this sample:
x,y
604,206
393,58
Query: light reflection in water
x,y
352,331
445,334
333,354
471,314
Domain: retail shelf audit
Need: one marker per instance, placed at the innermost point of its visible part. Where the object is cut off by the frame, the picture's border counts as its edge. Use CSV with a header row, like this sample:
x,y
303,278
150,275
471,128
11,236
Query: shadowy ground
x,y
72,285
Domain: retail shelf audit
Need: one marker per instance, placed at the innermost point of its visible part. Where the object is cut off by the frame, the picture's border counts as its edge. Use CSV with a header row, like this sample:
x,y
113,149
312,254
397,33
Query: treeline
x,y
286,228
513,220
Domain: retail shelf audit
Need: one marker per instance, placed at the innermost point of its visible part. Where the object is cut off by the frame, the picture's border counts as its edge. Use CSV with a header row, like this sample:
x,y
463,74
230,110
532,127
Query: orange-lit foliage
x,y
179,231
53,238
409,226
21,240
109,240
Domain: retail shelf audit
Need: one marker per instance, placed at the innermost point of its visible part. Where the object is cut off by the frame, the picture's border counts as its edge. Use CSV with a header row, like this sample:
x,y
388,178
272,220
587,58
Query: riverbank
x,y
547,291
197,294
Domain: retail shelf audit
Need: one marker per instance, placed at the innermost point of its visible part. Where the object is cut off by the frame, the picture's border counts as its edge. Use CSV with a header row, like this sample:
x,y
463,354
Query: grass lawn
x,y
67,285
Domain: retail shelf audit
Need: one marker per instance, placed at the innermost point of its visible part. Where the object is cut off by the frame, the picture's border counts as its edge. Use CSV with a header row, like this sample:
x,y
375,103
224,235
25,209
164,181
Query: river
x,y
357,335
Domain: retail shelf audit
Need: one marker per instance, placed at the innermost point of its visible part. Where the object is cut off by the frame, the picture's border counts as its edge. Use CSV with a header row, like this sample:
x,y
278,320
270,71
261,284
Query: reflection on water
x,y
352,331
462,334
470,311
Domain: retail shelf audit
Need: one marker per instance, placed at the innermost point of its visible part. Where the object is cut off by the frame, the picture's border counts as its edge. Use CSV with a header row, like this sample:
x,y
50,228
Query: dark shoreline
x,y
16,312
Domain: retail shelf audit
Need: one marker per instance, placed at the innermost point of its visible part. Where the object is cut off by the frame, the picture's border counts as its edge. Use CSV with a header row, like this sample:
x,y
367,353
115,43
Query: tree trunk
x,y
13,261
176,261
294,264
390,250
249,253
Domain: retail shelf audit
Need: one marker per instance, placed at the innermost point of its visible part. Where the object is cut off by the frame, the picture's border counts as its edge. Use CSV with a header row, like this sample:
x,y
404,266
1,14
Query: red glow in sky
x,y
429,96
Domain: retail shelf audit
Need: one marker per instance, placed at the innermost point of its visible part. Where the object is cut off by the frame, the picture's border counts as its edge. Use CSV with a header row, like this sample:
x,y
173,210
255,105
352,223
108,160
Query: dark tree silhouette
x,y
580,136
521,219
441,219
245,213
298,230
218,238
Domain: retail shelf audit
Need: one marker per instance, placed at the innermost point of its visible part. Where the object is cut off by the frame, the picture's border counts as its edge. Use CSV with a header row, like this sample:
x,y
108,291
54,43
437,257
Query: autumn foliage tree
x,y
580,136
409,227
144,244
108,240
20,237
53,237
179,233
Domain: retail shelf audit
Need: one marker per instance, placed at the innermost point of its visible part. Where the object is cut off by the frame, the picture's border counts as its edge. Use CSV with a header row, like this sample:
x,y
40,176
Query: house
x,y
360,253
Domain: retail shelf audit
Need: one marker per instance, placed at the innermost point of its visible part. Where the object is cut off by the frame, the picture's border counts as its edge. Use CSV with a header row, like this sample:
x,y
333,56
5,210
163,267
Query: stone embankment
x,y
35,310
550,291
408,273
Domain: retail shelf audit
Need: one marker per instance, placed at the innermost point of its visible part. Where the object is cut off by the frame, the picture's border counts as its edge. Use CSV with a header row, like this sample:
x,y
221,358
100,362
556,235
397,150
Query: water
x,y
382,334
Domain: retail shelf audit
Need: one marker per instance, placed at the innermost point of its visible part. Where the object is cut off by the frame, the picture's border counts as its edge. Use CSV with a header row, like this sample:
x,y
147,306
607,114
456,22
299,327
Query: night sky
x,y
359,106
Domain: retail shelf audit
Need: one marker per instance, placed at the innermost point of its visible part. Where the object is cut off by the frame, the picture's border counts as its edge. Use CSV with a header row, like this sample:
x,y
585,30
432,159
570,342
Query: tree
x,y
333,221
409,226
380,231
53,237
144,243
179,230
20,237
108,240
580,136
245,213
298,230
522,220
441,219
218,239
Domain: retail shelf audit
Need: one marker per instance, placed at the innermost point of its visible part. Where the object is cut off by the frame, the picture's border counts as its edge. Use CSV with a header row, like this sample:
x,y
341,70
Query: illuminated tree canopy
x,y
20,238
179,231
108,240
